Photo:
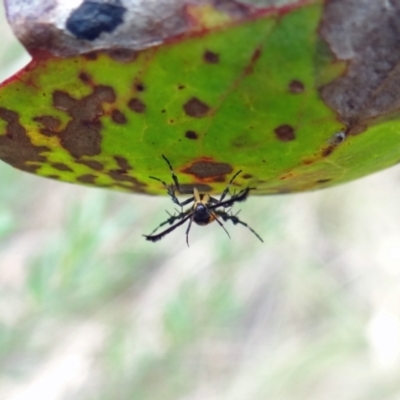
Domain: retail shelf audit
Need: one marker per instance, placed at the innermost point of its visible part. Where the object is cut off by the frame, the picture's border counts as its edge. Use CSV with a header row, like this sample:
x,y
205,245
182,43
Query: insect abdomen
x,y
201,215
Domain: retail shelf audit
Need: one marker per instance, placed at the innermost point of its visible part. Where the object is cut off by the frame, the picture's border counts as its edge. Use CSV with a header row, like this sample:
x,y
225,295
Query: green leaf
x,y
241,96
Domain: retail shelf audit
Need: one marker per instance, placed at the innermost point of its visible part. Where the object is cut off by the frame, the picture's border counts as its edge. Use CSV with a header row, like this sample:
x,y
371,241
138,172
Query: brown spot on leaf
x,y
201,187
181,87
53,176
92,56
208,169
296,86
16,147
88,178
33,168
139,86
61,166
118,117
356,129
137,105
47,132
81,137
247,176
191,135
123,163
254,58
123,56
63,101
333,142
50,124
132,187
328,150
95,165
323,180
121,175
287,175
105,93
85,77
48,121
196,108
285,133
219,178
210,57
256,54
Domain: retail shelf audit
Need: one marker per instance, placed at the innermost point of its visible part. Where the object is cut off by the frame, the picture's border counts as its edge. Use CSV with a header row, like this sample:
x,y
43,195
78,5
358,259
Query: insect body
x,y
204,210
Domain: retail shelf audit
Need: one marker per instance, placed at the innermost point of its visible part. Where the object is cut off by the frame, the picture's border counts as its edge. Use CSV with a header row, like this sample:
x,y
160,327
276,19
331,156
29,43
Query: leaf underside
x,y
243,97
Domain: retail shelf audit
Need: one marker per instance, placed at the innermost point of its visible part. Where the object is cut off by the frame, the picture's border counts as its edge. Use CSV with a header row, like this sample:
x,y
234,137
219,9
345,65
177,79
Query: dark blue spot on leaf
x,y
91,19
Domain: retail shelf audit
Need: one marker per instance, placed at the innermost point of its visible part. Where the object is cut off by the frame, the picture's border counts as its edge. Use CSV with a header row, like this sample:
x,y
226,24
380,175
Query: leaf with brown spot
x,y
291,95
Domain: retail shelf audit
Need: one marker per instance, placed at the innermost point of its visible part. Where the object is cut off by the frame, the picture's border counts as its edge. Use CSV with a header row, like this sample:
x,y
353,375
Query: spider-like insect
x,y
204,210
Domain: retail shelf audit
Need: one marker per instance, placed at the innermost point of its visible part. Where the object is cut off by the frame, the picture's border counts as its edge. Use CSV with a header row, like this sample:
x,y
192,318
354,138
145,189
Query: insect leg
x,y
170,221
174,177
159,236
169,188
188,230
221,224
241,196
235,220
187,201
226,190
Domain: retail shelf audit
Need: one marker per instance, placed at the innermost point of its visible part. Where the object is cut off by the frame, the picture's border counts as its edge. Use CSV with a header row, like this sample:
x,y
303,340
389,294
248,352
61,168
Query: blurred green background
x,y
90,310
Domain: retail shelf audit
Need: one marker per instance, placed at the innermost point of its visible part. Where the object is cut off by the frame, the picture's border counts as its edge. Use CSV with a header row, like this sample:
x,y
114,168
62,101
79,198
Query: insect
x,y
204,210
